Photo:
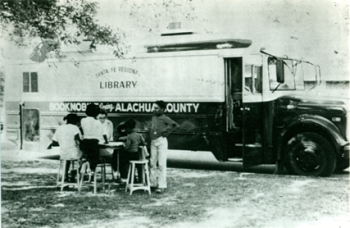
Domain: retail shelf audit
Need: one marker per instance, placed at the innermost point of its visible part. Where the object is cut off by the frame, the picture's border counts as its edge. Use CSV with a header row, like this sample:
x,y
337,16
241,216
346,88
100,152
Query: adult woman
x,y
68,137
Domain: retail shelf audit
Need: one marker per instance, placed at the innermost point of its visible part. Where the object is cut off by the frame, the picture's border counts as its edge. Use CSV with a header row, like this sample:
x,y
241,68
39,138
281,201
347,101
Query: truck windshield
x,y
293,75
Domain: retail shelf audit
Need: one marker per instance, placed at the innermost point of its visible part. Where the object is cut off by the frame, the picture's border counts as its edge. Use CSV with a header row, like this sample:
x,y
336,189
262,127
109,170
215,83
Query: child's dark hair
x,y
130,123
161,104
71,119
103,111
92,110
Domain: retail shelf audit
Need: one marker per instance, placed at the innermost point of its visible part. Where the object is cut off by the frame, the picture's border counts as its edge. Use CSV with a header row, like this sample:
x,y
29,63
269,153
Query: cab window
x,y
253,78
289,71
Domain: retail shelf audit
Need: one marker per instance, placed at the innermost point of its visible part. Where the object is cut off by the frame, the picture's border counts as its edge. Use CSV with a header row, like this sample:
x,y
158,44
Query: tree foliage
x,y
56,22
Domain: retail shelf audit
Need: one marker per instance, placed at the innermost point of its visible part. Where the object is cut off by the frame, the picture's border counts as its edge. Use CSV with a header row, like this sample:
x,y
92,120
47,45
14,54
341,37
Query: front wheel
x,y
310,154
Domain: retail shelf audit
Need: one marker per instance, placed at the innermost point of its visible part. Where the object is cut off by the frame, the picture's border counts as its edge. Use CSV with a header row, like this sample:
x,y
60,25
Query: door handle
x,y
245,108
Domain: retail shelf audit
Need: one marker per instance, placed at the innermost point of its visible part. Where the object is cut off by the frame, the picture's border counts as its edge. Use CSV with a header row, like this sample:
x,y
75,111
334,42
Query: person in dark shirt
x,y
161,127
133,141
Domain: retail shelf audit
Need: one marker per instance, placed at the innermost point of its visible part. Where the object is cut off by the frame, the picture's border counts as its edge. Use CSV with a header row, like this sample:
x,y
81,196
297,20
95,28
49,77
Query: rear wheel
x,y
310,154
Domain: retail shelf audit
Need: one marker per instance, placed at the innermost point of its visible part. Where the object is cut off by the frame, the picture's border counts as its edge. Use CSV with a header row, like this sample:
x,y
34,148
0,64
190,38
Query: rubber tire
x,y
320,148
342,163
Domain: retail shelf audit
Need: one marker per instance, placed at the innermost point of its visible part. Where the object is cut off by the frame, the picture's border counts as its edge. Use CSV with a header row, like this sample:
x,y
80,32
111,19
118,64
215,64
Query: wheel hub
x,y
308,158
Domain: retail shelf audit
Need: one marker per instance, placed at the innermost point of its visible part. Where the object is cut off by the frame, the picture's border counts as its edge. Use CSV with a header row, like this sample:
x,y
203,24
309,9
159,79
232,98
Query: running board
x,y
235,159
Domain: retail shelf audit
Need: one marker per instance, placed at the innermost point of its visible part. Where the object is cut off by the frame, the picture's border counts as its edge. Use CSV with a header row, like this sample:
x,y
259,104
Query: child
x,y
161,127
131,149
68,137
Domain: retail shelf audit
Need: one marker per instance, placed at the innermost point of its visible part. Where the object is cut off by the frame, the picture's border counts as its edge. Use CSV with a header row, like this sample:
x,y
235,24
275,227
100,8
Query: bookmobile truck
x,y
241,105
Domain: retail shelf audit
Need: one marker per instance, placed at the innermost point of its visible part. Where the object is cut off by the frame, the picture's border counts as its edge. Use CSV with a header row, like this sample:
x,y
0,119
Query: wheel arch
x,y
315,124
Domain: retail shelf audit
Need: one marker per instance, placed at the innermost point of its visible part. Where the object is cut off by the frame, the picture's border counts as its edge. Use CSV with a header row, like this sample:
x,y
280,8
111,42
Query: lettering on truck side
x,y
124,107
118,84
117,69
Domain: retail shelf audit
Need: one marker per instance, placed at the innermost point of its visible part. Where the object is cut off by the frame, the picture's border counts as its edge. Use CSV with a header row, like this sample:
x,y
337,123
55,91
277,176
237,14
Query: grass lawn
x,y
194,198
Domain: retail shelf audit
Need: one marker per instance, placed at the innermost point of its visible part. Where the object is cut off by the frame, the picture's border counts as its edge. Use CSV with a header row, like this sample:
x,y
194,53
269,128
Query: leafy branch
x,y
56,22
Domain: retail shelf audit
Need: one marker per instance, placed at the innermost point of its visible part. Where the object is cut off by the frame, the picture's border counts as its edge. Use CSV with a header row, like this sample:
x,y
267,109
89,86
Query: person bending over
x,y
131,149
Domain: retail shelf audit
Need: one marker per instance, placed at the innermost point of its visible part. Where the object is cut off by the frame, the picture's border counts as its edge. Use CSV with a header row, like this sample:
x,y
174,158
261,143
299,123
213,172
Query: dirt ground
x,y
194,198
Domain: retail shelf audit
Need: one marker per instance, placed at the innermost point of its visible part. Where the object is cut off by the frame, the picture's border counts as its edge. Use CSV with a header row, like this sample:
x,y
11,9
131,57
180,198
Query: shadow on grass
x,y
32,200
222,166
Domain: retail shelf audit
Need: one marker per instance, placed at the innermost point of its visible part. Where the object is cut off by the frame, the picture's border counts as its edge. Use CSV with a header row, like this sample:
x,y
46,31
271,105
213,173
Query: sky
x,y
317,31
313,30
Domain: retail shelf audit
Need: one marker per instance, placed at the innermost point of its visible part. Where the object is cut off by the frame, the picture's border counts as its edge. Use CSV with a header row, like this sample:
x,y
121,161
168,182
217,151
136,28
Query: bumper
x,y
346,151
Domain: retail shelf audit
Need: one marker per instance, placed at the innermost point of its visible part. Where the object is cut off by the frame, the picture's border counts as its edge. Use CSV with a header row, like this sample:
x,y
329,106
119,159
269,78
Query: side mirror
x,y
280,71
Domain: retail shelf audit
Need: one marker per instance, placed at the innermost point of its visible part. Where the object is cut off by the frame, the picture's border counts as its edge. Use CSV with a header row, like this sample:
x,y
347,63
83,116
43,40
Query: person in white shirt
x,y
68,138
93,132
107,128
107,125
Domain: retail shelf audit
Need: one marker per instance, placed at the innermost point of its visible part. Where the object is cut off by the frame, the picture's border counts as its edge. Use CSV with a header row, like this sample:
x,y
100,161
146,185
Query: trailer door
x,y
252,111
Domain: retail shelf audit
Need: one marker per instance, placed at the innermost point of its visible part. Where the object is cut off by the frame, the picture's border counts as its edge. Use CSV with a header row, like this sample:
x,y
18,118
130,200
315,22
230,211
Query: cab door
x,y
244,110
252,111
234,114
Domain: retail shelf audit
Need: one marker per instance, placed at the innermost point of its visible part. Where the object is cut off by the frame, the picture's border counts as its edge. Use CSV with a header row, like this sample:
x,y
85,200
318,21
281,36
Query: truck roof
x,y
199,45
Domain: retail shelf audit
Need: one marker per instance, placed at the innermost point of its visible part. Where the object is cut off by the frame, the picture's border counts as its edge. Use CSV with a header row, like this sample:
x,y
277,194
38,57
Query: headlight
x,y
347,127
347,133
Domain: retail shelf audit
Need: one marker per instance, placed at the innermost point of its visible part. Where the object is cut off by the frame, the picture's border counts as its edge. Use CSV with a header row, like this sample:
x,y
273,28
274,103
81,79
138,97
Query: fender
x,y
311,123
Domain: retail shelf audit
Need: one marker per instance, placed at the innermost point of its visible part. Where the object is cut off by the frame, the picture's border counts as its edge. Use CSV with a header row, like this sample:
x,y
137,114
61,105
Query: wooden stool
x,y
62,174
104,165
145,185
85,170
